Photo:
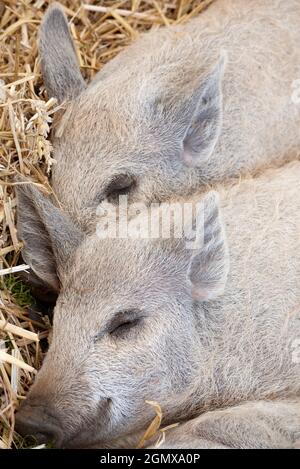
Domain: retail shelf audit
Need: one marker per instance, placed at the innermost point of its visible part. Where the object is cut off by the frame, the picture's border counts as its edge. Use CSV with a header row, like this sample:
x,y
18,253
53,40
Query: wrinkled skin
x,y
144,320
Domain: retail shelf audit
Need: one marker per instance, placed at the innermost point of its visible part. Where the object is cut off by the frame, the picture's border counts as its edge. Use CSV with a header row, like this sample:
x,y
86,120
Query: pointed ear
x,y
209,264
49,236
192,112
59,63
203,117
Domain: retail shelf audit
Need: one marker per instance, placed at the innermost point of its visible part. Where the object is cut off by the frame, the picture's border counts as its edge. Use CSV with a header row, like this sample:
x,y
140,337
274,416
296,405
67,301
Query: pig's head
x,y
142,127
125,324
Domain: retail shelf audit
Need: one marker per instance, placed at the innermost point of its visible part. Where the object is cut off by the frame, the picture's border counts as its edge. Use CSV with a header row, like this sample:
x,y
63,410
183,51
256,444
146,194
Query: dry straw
x,y
101,29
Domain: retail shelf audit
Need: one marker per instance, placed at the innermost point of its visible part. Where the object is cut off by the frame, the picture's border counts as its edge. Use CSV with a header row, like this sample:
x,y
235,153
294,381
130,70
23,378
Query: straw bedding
x,y
100,29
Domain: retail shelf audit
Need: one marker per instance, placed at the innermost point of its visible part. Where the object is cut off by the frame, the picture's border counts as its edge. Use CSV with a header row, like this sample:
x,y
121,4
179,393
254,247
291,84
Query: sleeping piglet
x,y
181,107
200,323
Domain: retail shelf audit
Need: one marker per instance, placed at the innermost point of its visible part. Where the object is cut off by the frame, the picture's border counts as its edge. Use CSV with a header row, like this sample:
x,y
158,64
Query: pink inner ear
x,y
200,294
187,158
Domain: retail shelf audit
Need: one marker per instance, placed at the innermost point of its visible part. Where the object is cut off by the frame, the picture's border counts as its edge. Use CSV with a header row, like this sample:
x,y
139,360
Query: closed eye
x,y
122,323
119,185
122,329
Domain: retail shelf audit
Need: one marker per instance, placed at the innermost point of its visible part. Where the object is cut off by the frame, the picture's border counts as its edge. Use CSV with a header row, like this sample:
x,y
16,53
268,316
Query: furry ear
x,y
49,237
59,64
203,120
190,111
209,264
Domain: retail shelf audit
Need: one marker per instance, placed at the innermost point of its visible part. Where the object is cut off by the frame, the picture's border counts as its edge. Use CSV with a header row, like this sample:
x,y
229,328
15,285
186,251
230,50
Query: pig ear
x,y
209,263
49,237
200,117
59,63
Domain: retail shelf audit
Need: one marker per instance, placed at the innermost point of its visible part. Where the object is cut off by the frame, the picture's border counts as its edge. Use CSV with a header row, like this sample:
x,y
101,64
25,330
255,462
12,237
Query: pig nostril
x,y
43,437
30,441
37,426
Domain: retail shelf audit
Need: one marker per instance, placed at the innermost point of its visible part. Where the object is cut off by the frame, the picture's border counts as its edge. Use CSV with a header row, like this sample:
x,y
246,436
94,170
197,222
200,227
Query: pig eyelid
x,y
123,321
121,184
124,317
124,328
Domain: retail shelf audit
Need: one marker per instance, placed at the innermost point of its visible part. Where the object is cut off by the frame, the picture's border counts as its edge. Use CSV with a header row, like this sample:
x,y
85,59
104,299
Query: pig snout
x,y
39,422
